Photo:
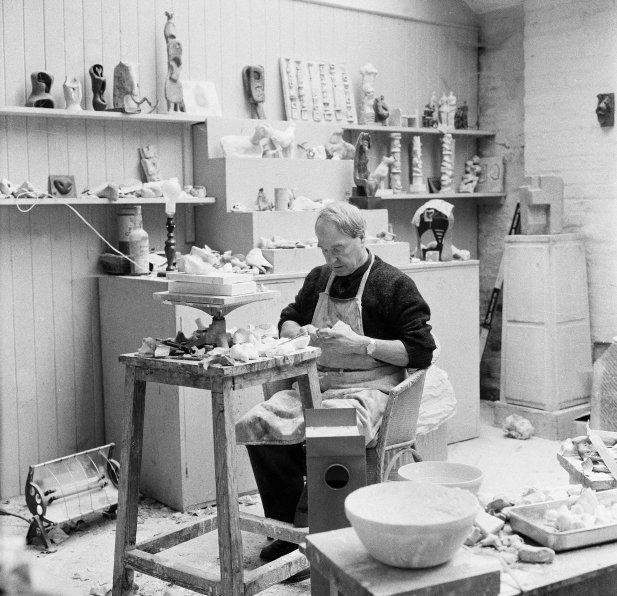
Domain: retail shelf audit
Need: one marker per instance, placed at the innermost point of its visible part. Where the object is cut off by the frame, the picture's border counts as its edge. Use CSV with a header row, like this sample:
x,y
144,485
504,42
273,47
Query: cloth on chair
x,y
438,400
280,420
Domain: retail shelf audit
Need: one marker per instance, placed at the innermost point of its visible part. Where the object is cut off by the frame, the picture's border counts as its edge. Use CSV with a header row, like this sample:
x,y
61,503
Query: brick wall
x,y
541,66
500,106
571,56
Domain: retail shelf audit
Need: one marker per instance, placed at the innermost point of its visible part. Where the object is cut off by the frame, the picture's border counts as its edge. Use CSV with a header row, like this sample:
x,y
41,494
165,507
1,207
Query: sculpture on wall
x,y
447,163
367,113
173,87
99,85
254,89
417,177
41,86
72,94
605,111
126,90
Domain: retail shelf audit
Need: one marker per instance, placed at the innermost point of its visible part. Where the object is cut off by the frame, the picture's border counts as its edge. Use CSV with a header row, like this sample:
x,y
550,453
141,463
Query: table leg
x,y
130,467
230,538
308,384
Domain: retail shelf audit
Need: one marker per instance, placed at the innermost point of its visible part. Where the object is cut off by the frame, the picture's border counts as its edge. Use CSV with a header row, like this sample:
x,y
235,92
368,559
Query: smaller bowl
x,y
445,473
411,524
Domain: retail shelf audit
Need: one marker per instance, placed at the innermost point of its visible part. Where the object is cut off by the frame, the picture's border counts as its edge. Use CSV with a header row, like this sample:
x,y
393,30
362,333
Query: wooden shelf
x,y
452,195
469,132
86,200
174,117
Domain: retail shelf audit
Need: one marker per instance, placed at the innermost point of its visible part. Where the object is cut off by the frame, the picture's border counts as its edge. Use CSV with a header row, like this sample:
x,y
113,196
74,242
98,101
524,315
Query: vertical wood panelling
x,y
51,401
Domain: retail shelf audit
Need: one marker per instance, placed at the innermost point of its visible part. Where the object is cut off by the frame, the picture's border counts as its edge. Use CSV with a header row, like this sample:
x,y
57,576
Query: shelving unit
x,y
175,117
468,132
438,195
87,200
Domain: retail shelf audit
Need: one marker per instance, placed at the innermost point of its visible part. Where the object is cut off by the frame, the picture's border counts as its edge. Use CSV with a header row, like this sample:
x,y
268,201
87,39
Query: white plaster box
x,y
292,260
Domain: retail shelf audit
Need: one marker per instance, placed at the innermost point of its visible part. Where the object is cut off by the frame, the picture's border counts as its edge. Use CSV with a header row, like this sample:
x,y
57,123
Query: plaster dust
x,y
83,563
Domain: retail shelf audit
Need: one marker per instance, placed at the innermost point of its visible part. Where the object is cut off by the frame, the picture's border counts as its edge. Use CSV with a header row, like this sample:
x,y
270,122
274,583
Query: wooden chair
x,y
397,433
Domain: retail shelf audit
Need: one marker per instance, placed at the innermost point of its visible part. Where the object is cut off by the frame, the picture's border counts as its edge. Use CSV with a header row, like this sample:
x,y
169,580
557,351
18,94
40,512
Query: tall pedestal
x,y
546,342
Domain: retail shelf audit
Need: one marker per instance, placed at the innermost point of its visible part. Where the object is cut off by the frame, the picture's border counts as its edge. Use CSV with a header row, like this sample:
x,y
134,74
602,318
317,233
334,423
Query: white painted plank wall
x,y
51,401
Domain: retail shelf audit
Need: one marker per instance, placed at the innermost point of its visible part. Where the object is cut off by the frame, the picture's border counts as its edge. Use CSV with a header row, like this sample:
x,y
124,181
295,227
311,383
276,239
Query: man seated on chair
x,y
371,324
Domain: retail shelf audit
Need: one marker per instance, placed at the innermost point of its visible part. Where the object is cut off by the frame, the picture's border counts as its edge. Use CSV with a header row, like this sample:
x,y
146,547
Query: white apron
x,y
346,380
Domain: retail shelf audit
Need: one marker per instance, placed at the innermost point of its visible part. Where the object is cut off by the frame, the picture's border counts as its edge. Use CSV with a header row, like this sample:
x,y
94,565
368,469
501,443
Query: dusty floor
x,y
83,563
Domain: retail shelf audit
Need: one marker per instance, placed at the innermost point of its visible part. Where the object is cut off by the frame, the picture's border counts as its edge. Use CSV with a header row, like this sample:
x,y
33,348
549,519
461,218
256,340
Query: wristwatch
x,y
371,346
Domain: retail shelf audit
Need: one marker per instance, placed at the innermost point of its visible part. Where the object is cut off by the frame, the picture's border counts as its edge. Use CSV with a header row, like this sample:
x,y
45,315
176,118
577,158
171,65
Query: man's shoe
x,y
277,549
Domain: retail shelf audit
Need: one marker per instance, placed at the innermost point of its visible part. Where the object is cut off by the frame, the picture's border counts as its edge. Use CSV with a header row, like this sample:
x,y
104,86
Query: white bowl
x,y
300,342
445,473
411,524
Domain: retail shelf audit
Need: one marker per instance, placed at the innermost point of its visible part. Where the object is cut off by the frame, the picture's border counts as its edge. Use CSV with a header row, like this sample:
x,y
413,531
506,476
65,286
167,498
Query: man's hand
x,y
342,338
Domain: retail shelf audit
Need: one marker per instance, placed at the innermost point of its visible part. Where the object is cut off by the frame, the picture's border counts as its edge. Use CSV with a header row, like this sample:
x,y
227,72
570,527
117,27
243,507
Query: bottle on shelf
x,y
139,246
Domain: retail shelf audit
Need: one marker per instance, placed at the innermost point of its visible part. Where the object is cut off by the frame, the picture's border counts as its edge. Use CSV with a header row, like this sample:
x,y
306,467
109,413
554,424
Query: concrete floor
x,y
83,563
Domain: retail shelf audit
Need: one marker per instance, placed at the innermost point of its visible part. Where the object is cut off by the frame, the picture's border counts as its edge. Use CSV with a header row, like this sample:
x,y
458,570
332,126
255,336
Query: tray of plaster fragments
x,y
565,524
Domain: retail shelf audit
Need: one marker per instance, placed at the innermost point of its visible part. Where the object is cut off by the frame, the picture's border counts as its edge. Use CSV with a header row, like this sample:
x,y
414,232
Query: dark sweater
x,y
392,307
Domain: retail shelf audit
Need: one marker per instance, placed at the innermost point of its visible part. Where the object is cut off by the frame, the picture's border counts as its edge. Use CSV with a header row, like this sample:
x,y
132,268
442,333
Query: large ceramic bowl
x,y
445,473
411,524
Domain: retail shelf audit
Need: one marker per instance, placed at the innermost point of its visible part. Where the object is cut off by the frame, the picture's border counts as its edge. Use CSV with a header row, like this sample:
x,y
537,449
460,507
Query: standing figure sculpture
x,y
41,86
447,163
367,114
99,84
126,90
72,94
173,86
254,83
417,177
360,164
461,117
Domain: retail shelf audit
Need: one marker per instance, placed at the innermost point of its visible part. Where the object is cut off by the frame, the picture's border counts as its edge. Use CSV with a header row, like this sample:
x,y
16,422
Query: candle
x,y
171,191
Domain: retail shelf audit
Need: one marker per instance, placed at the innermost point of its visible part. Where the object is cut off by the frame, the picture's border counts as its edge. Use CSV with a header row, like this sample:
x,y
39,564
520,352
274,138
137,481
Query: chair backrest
x,y
397,432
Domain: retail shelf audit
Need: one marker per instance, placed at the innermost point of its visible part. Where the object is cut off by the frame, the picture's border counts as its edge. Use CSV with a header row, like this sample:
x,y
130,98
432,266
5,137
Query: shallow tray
x,y
527,520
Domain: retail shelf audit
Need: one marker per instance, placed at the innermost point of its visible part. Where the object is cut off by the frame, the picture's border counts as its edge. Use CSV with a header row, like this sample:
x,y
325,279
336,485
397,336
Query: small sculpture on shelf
x,y
263,203
99,85
382,113
367,113
451,110
338,148
430,114
461,116
254,83
150,163
377,179
283,142
62,186
72,94
173,86
434,216
417,177
360,163
395,168
126,90
471,175
447,163
41,87
253,146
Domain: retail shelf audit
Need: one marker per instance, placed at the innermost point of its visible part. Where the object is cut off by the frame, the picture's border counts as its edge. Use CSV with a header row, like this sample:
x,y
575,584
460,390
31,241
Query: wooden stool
x,y
222,382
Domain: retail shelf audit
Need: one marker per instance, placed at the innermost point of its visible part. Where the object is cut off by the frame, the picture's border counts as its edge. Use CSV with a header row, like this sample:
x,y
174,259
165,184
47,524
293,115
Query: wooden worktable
x,y
231,579
340,556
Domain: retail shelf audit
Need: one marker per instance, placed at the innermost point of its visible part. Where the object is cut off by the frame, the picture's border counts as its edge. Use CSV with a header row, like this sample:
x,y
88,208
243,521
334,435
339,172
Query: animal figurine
x,y
283,140
337,148
379,174
253,146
